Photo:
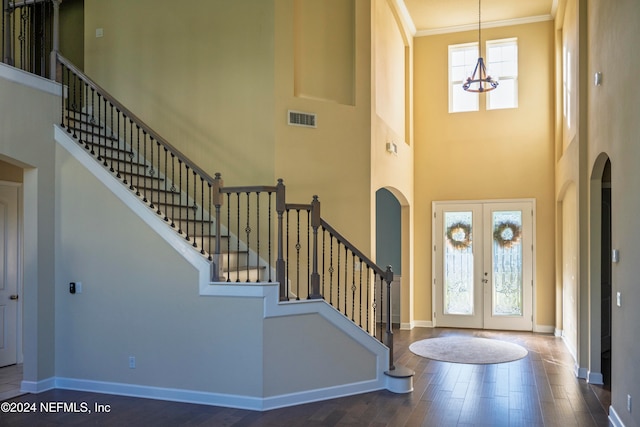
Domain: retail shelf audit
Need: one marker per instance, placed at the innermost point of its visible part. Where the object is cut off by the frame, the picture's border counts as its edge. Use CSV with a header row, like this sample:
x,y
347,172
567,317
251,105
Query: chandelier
x,y
479,81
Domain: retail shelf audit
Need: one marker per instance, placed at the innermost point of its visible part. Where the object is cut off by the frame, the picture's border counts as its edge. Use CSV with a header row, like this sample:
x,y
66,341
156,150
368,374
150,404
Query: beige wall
x,y
333,160
392,122
487,154
614,129
202,76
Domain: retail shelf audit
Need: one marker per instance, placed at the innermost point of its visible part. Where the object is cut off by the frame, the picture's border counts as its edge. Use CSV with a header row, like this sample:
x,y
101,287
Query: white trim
x,y
595,378
423,323
401,7
406,326
197,397
149,216
16,75
614,419
492,24
558,332
544,329
580,372
38,386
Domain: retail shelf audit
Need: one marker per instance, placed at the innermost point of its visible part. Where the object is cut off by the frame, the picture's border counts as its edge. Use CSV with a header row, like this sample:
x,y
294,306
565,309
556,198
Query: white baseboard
x,y
544,329
38,386
423,323
614,419
214,399
595,378
557,332
580,372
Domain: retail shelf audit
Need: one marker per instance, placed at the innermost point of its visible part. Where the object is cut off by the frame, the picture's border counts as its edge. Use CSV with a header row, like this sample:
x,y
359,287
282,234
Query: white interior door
x,y
8,274
483,264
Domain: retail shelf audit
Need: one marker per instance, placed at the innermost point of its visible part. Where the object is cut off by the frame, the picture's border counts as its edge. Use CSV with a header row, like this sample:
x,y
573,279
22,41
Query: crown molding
x,y
492,24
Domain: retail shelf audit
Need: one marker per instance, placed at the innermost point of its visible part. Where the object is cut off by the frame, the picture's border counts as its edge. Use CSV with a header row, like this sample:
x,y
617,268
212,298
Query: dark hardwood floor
x,y
539,390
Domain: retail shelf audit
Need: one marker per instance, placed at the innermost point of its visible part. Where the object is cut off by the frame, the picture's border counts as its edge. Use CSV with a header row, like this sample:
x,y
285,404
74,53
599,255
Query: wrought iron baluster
x,y
308,253
346,277
298,246
202,251
173,190
144,148
98,136
228,237
269,233
360,286
137,154
247,231
166,182
338,275
195,207
324,289
209,249
368,296
287,255
353,286
237,236
381,305
186,167
258,234
117,142
186,195
92,120
152,172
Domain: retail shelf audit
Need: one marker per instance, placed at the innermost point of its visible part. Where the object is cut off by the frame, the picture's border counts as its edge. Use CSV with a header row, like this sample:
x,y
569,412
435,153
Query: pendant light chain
x,y
480,28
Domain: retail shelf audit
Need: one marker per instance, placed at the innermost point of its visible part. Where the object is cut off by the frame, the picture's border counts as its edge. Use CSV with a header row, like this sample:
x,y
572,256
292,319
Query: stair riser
x,y
254,275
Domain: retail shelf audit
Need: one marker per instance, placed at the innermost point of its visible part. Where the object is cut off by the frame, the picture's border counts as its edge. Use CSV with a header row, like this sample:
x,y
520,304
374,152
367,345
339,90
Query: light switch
x,y
99,32
615,255
618,299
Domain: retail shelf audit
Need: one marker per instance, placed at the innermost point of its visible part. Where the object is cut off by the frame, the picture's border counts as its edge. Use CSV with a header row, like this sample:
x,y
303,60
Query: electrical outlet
x,y
72,287
132,362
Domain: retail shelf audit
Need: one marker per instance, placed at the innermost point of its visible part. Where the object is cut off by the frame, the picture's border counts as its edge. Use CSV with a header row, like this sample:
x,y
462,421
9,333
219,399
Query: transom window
x,y
502,64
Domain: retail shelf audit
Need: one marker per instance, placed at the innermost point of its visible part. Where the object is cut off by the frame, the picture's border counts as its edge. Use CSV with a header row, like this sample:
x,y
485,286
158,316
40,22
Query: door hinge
x,y
434,248
434,314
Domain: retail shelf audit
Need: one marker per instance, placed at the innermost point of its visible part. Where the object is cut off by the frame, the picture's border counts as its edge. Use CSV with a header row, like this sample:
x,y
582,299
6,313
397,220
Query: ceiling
x,y
445,16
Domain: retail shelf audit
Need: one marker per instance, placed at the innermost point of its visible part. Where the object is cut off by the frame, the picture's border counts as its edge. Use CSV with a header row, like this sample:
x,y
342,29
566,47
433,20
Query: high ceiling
x,y
441,16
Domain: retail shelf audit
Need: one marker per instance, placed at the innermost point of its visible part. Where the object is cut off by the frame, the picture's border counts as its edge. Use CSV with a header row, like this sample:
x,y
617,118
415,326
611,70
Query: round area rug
x,y
461,349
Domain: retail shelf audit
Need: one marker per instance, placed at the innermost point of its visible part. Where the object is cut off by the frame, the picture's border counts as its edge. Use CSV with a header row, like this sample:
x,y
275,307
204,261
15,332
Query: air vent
x,y
298,118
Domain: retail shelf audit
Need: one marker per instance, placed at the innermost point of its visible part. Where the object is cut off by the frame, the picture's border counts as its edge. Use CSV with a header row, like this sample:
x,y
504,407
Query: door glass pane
x,y
507,263
458,263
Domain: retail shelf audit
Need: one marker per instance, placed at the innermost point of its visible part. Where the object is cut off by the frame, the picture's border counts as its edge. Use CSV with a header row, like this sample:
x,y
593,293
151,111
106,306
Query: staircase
x,y
248,234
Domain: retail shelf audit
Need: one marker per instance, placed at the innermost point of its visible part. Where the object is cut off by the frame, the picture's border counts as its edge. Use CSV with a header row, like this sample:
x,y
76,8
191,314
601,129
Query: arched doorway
x,y
389,243
600,286
606,290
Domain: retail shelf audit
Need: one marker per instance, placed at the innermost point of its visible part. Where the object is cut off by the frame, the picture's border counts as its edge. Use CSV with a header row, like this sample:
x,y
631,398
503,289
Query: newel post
x,y
218,200
280,264
315,224
388,277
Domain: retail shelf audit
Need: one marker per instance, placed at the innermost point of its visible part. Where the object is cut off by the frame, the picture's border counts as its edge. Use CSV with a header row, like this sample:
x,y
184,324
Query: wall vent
x,y
298,118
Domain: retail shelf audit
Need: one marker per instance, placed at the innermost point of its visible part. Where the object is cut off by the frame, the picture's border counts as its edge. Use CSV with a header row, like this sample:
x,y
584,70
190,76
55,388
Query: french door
x,y
483,264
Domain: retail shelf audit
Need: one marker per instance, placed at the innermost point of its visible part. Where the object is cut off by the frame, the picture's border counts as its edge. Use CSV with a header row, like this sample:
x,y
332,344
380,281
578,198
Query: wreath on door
x,y
459,235
507,234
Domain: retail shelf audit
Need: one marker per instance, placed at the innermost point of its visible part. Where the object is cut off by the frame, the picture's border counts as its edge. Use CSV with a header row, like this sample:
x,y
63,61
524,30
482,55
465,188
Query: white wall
x,y
30,106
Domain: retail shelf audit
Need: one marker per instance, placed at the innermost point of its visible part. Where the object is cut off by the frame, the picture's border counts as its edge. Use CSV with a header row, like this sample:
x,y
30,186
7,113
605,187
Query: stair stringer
x,y
154,221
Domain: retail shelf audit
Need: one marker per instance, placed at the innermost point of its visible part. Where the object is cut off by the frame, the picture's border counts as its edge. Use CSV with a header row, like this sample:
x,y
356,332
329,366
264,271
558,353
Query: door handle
x,y
13,297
